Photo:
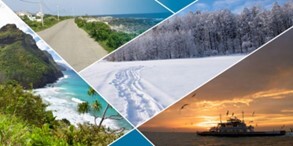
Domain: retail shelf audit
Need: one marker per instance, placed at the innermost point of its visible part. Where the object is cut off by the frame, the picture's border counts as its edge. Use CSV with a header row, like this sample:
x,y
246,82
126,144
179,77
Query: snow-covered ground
x,y
141,89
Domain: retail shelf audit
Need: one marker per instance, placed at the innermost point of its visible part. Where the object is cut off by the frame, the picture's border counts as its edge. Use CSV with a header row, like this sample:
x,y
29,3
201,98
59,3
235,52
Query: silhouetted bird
x,y
183,106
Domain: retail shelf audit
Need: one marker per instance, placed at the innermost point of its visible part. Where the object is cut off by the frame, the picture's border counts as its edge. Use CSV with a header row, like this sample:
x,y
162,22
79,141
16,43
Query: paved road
x,y
73,44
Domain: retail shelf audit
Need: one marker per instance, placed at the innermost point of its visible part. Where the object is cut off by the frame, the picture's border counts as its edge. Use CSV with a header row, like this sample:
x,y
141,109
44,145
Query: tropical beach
x,y
44,101
64,96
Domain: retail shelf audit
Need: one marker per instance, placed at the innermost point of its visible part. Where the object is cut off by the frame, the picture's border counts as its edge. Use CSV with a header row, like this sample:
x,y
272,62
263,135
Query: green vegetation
x,y
102,33
24,121
49,20
134,25
23,61
14,131
96,106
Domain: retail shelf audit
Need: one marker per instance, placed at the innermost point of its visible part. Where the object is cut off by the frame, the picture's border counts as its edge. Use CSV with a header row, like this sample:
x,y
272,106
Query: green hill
x,y
21,60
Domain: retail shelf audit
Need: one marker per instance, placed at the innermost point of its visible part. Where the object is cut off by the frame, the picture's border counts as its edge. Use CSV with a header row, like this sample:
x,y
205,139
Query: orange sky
x,y
272,110
262,83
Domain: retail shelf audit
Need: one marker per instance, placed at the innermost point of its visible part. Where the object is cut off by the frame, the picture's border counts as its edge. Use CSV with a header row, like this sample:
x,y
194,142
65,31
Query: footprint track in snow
x,y
141,106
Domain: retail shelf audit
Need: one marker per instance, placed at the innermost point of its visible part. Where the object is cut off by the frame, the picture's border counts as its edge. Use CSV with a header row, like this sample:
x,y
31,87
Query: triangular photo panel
x,y
179,55
252,99
43,100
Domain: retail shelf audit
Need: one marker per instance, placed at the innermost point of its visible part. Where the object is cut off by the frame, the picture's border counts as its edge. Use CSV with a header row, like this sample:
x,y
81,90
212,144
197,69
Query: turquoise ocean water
x,y
64,95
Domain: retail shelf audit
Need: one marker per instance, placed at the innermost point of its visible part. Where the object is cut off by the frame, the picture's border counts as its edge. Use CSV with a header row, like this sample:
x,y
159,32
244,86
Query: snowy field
x,y
141,89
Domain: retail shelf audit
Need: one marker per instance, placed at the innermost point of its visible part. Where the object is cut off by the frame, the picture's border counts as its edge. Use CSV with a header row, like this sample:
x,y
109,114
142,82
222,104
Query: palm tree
x,y
83,107
91,92
96,106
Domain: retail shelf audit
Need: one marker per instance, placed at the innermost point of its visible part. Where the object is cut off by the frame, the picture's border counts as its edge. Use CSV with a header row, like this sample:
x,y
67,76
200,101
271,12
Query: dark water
x,y
191,139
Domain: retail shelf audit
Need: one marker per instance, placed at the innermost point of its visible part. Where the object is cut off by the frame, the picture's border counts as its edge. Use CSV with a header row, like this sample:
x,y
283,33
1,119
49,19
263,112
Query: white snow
x,y
141,89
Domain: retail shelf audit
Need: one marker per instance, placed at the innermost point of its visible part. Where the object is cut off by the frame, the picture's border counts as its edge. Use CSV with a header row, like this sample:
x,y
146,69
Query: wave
x,y
64,106
62,78
77,100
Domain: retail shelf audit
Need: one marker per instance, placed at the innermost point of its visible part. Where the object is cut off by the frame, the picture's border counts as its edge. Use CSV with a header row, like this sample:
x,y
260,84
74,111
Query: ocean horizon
x,y
192,139
146,15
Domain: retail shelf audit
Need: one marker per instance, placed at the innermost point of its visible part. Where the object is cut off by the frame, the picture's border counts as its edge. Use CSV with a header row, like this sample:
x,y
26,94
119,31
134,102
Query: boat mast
x,y
221,118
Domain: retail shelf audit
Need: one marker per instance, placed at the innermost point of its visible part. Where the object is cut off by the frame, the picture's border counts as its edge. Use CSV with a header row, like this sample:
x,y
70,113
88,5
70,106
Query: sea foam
x,y
64,106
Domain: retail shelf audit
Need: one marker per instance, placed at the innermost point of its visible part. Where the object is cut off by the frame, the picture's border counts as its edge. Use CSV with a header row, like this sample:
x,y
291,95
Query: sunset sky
x,y
262,83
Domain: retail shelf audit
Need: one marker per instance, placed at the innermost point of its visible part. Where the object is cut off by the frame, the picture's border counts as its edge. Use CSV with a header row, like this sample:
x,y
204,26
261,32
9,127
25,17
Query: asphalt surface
x,y
73,44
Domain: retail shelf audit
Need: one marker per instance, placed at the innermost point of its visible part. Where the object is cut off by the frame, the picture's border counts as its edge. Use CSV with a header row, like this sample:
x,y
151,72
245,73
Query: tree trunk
x,y
103,116
95,120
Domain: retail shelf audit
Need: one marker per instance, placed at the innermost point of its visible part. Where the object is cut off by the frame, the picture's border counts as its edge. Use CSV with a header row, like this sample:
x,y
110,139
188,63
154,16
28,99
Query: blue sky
x,y
90,7
235,6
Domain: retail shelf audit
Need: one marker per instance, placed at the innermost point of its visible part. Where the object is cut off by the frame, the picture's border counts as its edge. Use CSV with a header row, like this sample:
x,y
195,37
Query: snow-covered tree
x,y
200,34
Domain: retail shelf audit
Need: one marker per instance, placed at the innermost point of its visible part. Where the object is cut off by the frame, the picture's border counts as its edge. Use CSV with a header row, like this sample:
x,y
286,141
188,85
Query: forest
x,y
209,33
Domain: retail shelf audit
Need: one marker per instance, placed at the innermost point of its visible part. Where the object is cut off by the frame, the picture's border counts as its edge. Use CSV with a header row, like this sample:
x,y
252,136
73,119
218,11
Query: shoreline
x,y
63,104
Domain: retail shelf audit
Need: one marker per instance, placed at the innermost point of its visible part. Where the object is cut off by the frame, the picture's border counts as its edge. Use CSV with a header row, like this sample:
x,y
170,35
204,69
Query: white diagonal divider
x,y
165,6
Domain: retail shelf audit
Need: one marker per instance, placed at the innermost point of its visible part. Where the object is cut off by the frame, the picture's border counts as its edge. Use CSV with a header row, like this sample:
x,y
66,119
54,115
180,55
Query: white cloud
x,y
201,6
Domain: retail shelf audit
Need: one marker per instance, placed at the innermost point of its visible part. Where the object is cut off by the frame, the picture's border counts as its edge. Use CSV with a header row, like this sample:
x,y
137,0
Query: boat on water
x,y
234,127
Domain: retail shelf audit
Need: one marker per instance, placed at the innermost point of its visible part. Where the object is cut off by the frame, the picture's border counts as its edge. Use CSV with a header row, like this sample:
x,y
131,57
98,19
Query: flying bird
x,y
183,106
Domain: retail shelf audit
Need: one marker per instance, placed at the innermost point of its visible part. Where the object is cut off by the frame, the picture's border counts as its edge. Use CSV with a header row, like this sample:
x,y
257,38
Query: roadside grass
x,y
108,38
49,21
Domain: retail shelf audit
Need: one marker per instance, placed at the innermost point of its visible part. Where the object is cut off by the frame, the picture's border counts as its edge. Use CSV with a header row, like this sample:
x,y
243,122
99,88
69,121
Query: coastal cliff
x,y
21,60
